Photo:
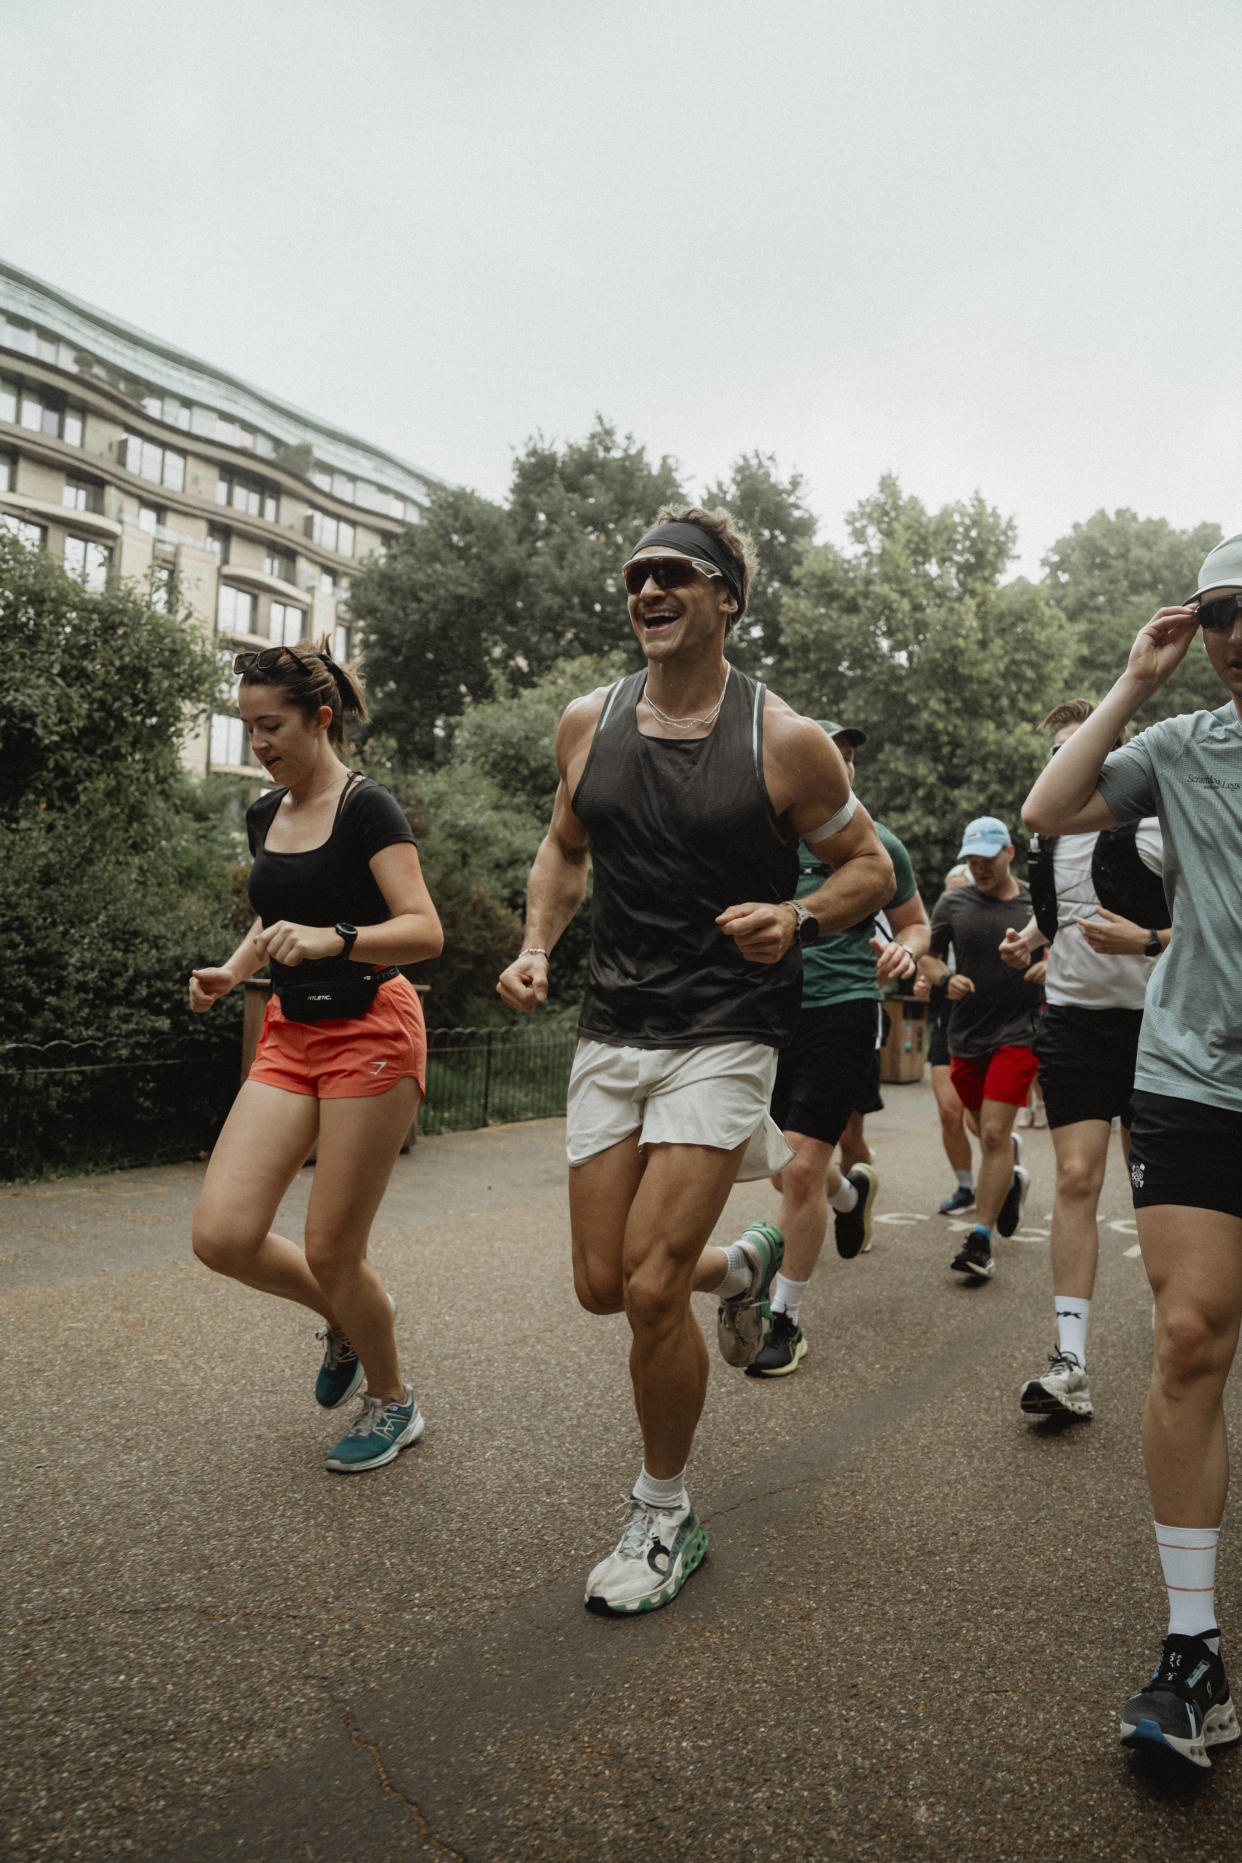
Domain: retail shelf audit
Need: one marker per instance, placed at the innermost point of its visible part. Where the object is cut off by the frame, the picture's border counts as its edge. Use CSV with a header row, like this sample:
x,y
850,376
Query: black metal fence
x,y
83,1106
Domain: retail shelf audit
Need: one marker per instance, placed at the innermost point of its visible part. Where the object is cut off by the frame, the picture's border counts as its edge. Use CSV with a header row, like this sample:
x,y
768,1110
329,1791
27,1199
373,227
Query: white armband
x,y
841,820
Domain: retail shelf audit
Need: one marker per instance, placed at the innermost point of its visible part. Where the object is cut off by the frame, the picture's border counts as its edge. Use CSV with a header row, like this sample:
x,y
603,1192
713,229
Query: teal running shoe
x,y
380,1431
341,1373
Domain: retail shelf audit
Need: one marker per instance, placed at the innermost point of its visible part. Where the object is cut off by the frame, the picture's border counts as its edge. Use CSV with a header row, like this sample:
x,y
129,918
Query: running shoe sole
x,y
870,1183
689,1559
1220,1728
1040,1402
1015,1201
973,1270
742,1324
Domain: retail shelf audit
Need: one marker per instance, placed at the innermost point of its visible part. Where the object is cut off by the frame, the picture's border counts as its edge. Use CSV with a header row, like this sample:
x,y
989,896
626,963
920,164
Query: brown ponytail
x,y
308,677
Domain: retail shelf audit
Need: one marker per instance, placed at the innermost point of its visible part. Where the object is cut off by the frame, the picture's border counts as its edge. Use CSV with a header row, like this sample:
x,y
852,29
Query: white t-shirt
x,y
1079,977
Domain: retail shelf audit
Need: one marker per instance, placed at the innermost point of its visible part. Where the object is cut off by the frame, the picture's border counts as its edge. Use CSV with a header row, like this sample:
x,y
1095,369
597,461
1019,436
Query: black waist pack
x,y
348,992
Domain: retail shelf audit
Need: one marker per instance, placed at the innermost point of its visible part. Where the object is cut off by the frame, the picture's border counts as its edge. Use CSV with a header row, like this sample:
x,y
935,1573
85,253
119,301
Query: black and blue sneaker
x,y
974,1258
961,1201
1186,1707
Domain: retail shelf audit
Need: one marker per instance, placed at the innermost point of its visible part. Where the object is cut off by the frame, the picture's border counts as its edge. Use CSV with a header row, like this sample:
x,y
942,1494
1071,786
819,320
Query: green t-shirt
x,y
841,967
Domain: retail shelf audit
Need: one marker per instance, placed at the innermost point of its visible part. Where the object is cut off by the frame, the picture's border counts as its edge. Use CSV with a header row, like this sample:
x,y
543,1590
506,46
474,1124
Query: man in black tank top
x,y
686,787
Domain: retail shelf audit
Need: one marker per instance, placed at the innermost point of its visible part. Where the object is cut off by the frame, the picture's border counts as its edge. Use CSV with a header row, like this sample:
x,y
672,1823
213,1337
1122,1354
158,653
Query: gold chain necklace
x,y
684,724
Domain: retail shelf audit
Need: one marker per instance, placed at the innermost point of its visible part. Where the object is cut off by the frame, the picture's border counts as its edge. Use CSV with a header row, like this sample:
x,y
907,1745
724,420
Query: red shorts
x,y
1004,1075
346,1059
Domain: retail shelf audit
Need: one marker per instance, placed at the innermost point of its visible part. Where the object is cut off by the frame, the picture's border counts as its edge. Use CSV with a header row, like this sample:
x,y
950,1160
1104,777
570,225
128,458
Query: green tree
x,y
1108,577
776,515
479,589
912,635
114,863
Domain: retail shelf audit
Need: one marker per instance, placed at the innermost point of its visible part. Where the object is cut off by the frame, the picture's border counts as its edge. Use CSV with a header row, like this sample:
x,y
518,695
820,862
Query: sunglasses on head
x,y
667,572
264,659
1218,615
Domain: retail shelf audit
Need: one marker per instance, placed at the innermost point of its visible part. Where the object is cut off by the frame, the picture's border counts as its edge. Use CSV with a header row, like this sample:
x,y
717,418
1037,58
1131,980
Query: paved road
x,y
919,1615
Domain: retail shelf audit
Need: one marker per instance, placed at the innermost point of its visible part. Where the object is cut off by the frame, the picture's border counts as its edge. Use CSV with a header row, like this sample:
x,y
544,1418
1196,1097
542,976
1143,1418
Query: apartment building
x,y
127,457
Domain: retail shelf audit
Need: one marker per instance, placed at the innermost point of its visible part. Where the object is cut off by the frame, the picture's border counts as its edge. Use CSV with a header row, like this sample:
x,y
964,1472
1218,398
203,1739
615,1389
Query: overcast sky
x,y
989,245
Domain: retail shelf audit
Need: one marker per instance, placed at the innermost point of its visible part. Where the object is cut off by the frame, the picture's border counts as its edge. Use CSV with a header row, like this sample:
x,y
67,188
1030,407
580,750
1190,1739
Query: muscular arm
x,y
1065,798
809,785
558,876
899,958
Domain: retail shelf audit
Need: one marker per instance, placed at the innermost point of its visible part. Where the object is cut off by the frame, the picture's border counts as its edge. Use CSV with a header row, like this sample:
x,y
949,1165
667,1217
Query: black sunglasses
x,y
263,660
667,572
1218,615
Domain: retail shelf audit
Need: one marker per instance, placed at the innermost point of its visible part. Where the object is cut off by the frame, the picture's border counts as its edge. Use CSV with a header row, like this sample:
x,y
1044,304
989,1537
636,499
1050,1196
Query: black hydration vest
x,y
1123,882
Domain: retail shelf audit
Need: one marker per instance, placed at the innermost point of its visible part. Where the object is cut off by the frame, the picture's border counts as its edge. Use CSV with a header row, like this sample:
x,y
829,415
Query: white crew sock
x,y
738,1275
1188,1560
1072,1317
966,1180
787,1296
845,1198
666,1495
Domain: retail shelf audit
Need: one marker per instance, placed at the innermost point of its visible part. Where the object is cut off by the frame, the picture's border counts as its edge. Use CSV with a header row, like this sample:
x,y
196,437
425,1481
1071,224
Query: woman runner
x,y
340,900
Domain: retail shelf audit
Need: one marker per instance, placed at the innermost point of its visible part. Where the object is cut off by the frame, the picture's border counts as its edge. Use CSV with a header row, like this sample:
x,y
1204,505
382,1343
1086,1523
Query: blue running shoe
x,y
380,1431
961,1201
340,1374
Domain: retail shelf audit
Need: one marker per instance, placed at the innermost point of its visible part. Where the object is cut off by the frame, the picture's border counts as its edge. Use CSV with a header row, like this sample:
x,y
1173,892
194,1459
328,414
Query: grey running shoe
x,y
742,1321
1186,1707
852,1228
1062,1391
974,1258
654,1557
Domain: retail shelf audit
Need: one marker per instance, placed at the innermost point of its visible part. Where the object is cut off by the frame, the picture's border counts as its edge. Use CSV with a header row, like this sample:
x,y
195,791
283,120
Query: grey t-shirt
x,y
1188,771
1001,1012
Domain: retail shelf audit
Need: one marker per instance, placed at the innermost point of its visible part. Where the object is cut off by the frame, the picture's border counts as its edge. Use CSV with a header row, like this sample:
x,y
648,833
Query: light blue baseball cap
x,y
985,836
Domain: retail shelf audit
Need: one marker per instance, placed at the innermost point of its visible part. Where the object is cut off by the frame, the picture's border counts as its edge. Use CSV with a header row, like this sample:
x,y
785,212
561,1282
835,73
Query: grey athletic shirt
x,y
1188,771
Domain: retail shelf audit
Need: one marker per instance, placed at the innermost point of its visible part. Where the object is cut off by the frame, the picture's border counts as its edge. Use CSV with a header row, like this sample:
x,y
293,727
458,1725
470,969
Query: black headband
x,y
693,540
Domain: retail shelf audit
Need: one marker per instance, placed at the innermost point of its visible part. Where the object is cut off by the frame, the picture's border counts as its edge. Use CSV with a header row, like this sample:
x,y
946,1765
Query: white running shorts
x,y
716,1095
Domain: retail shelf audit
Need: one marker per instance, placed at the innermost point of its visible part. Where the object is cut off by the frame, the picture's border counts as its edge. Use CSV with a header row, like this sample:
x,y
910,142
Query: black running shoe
x,y
1015,1201
853,1227
1186,1706
784,1352
974,1259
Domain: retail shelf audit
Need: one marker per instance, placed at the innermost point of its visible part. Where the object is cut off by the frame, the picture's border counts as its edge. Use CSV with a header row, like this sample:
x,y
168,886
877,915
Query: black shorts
x,y
1086,1062
1185,1153
829,1070
938,1042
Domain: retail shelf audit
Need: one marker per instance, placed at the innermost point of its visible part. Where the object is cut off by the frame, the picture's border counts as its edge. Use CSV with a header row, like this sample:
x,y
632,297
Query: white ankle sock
x,y
966,1180
1188,1560
787,1296
738,1275
666,1495
1072,1317
846,1197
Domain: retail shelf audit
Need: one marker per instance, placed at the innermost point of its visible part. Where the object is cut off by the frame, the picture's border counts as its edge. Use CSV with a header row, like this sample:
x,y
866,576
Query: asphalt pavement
x,y
920,1613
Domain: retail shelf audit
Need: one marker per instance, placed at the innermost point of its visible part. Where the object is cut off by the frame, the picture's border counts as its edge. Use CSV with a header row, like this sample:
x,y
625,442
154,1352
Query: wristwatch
x,y
806,927
349,933
1153,947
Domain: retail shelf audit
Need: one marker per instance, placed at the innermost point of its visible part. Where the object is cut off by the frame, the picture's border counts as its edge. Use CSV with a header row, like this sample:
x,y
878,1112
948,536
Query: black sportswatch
x,y
349,933
1153,947
806,930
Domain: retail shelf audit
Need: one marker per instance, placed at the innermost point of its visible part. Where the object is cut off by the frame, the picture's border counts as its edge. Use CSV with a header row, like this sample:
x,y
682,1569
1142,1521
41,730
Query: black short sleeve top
x,y
333,881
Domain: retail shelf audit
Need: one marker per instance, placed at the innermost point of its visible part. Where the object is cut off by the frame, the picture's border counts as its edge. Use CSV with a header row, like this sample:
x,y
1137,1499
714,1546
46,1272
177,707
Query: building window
x,y
82,495
286,624
234,610
163,587
232,433
280,564
331,533
8,472
218,542
8,401
248,495
340,644
163,465
42,411
228,740
88,562
150,517
33,535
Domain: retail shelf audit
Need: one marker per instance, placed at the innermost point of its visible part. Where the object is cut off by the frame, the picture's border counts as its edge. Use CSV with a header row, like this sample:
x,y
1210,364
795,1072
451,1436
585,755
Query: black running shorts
x,y
1086,1062
938,1041
829,1070
1183,1152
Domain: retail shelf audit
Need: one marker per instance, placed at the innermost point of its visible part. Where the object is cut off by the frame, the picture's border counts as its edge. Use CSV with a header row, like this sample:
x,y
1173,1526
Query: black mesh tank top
x,y
679,830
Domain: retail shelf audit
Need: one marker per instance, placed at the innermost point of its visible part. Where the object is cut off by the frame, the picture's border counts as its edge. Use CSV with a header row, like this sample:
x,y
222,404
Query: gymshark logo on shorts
x,y
377,1067
1137,1173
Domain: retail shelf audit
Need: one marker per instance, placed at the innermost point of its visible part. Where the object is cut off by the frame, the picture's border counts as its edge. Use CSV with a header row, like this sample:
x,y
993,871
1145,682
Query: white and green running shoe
x,y
379,1432
654,1557
742,1322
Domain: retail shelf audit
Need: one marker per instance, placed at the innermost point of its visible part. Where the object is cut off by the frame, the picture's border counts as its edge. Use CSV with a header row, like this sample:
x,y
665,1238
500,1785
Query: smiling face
x,y
287,743
669,622
1223,647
